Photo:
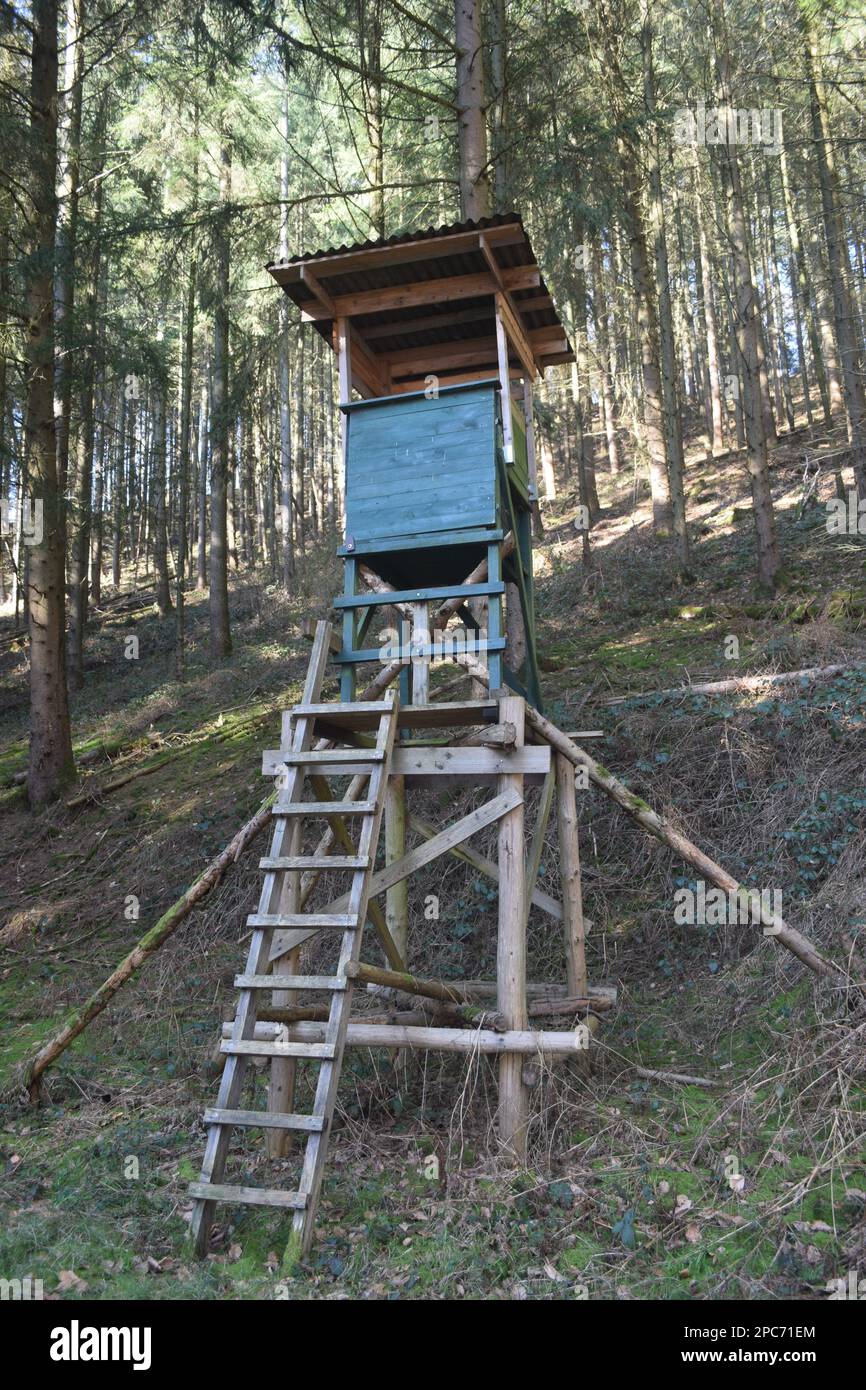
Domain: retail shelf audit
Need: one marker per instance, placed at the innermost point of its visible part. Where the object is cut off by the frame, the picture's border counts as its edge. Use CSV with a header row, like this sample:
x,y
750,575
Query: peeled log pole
x,y
409,984
650,821
150,942
730,687
441,1039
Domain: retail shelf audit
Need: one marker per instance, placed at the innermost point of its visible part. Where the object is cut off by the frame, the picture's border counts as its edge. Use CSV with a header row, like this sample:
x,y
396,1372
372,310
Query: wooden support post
x,y
495,556
536,848
504,386
530,441
421,665
342,343
350,588
396,898
569,858
511,946
281,1090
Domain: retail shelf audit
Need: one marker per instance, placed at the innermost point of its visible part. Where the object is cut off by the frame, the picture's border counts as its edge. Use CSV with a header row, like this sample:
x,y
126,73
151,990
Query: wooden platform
x,y
341,770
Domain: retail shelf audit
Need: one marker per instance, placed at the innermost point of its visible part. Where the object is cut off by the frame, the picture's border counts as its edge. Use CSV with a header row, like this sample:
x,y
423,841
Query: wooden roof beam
x,y
491,260
517,335
321,294
434,357
510,312
547,340
441,291
413,324
466,378
537,301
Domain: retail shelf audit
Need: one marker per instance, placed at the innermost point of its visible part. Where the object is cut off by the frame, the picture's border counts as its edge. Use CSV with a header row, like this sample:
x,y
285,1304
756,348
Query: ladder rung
x,y
353,707
316,861
344,921
326,808
334,755
321,1052
256,1196
327,982
265,1119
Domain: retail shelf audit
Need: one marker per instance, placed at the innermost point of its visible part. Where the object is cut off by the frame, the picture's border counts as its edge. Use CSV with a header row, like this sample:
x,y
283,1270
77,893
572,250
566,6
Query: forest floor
x,y
628,1190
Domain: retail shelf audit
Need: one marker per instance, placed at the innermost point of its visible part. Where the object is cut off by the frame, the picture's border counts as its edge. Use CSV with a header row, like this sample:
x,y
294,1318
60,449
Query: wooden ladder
x,y
301,762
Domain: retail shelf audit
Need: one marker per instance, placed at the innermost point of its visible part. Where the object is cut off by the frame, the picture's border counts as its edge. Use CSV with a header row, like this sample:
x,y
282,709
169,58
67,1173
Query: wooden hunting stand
x,y
440,481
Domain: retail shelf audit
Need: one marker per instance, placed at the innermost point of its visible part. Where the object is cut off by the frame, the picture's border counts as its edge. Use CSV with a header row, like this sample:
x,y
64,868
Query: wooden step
x,y
256,1196
344,709
333,755
264,1119
315,861
326,982
326,808
317,1052
265,921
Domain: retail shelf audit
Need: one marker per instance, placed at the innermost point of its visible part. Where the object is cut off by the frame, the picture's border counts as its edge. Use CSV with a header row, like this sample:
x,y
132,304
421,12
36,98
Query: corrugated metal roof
x,y
501,219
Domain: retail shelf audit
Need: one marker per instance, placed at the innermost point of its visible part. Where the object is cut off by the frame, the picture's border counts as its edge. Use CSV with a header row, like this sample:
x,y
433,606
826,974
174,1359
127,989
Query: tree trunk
x,y
670,396
748,334
848,336
203,437
707,314
498,23
184,467
475,199
80,554
52,766
158,483
600,319
220,637
648,334
286,498
69,165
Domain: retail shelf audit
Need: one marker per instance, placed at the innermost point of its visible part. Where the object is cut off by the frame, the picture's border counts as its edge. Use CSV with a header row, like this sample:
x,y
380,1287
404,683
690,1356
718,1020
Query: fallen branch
x,y
94,793
678,1077
730,687
168,923
649,820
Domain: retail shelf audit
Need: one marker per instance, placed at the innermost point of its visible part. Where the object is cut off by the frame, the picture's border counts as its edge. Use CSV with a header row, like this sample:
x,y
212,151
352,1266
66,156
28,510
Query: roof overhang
x,y
426,303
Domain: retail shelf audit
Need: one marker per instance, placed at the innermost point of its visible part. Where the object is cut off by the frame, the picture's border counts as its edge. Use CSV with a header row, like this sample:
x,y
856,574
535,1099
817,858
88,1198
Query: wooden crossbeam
x,y
432,849
468,352
321,294
470,762
471,1040
449,318
442,291
438,761
410,384
539,898
517,335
